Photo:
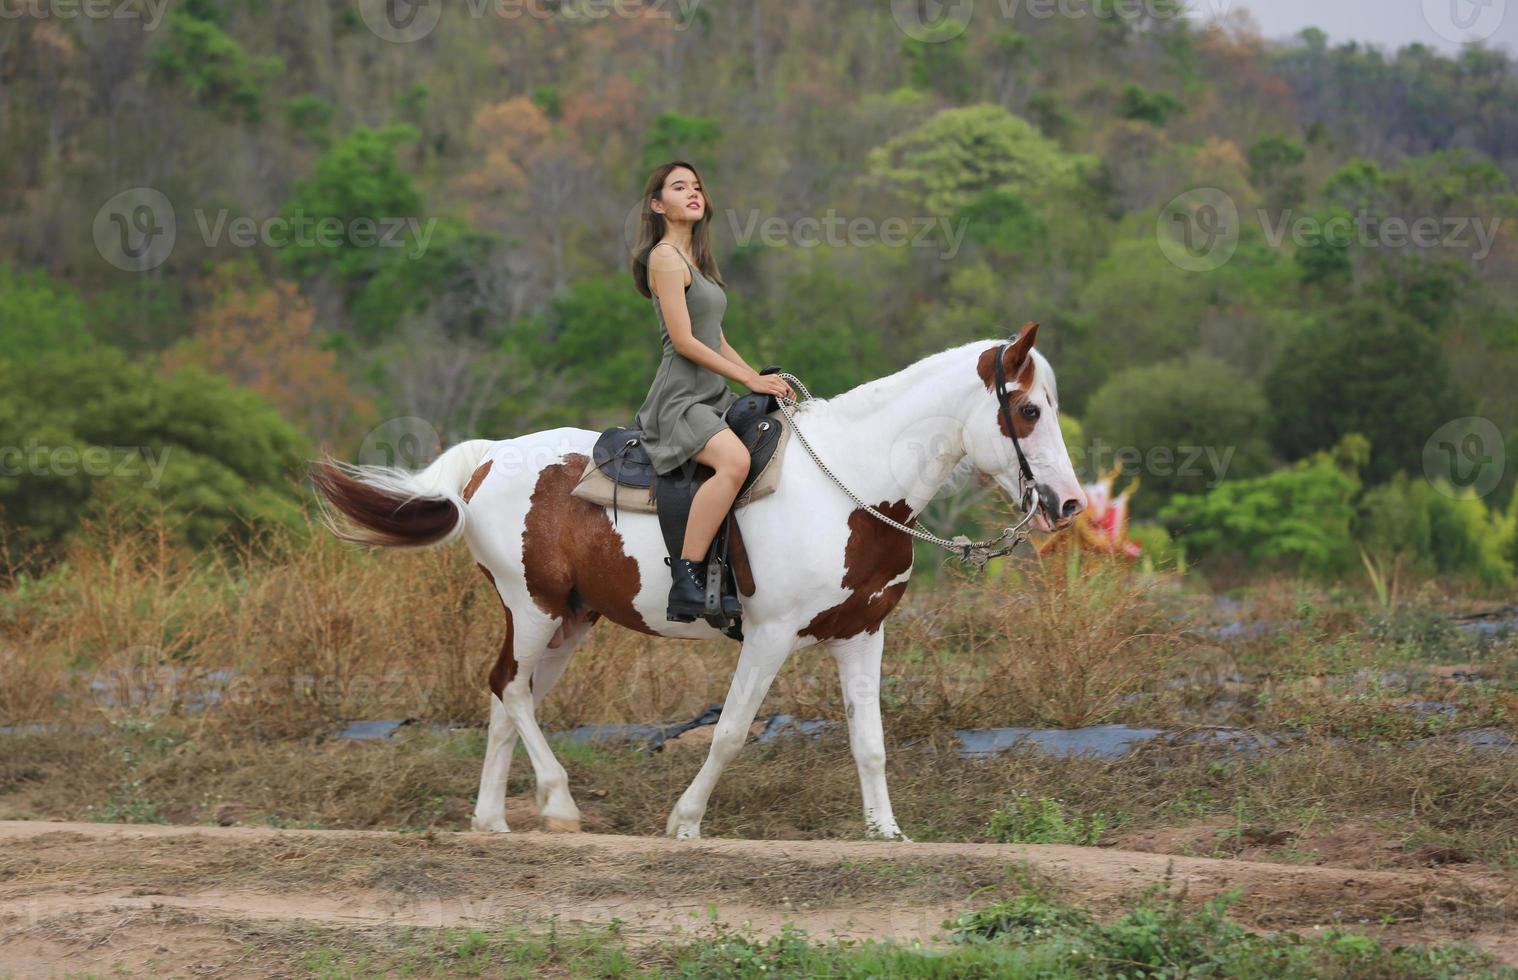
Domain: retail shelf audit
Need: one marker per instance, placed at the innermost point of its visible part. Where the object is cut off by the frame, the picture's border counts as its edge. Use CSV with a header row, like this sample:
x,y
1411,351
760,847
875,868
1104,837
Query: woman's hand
x,y
771,384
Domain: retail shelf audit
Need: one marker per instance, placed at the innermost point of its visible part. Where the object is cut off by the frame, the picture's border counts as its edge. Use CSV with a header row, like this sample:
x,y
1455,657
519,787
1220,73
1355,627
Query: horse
x,y
823,570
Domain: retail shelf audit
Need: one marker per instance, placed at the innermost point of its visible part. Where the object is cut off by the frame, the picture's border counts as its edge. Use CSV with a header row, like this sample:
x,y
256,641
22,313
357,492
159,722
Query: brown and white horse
x,y
826,571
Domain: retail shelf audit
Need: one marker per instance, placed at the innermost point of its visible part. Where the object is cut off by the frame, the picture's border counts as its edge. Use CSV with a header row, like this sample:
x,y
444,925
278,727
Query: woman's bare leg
x,y
725,453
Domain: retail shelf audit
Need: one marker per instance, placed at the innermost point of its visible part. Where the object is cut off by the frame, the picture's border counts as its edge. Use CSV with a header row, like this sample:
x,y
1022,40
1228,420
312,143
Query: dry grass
x,y
292,641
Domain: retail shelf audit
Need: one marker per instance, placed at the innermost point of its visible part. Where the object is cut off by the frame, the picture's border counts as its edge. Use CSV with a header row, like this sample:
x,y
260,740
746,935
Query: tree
x,y
1193,421
263,338
218,72
1301,516
1361,368
95,431
960,154
359,178
531,177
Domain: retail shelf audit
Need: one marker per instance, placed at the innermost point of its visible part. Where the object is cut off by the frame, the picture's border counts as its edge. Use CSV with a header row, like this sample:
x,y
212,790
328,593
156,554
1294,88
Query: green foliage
x,y
447,271
1325,260
1028,936
1145,106
311,117
1439,531
1193,420
1301,516
1039,820
1005,222
197,52
960,154
1024,919
96,433
605,336
549,98
936,61
359,178
675,136
1367,369
38,313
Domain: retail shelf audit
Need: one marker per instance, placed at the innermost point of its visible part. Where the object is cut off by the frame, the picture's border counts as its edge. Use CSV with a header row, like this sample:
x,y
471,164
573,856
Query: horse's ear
x,y
1017,354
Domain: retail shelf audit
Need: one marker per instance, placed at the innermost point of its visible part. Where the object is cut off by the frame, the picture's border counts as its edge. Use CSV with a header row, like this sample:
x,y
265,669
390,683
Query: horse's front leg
x,y
764,650
858,660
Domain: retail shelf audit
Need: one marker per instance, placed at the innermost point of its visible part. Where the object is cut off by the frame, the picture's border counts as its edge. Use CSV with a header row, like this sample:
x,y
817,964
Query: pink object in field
x,y
1103,526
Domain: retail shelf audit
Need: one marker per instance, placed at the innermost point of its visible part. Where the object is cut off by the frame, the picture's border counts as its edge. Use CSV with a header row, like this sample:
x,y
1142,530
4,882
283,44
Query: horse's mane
x,y
864,397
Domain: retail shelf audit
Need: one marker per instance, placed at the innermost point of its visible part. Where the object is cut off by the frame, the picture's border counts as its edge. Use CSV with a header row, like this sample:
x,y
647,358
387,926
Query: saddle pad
x,y
596,487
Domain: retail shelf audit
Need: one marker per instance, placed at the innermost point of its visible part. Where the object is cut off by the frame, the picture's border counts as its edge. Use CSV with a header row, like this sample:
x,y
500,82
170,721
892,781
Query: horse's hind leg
x,y
525,671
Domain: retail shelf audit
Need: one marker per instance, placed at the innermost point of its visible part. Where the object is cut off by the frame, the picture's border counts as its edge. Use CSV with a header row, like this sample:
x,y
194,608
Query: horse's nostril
x,y
1071,508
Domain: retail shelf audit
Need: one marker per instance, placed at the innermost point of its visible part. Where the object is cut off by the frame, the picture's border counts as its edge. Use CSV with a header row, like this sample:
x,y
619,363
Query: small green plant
x,y
1026,918
1040,820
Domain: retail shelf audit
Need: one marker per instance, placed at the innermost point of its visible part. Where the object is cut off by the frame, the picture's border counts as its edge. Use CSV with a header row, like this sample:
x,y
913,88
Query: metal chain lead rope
x,y
962,549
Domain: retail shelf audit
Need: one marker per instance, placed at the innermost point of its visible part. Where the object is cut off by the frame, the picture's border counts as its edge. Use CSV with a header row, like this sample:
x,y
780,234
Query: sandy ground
x,y
181,901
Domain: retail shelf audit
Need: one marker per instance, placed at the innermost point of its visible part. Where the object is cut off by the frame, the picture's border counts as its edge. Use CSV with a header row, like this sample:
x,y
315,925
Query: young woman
x,y
682,417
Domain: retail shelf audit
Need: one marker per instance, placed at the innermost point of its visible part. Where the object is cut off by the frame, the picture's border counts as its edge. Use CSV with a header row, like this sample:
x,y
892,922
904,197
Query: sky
x,y
1390,23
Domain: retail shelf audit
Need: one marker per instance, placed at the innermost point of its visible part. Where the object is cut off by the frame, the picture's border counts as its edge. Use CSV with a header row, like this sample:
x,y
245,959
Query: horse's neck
x,y
895,438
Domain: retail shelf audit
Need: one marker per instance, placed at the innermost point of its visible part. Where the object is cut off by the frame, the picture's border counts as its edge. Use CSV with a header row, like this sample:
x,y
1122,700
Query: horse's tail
x,y
395,507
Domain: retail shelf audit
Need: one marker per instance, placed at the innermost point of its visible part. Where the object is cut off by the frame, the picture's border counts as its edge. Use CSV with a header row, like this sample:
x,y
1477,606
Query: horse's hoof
x,y
559,825
489,826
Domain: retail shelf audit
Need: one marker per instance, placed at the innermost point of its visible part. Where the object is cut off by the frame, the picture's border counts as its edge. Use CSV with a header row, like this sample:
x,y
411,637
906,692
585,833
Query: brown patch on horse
x,y
572,557
876,554
1018,369
476,480
737,555
505,669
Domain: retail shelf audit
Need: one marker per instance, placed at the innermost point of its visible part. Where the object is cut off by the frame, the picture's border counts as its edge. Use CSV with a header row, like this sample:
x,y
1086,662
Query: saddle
x,y
619,457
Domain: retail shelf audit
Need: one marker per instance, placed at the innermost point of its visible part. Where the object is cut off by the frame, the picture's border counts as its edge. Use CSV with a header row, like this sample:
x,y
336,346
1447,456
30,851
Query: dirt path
x,y
152,898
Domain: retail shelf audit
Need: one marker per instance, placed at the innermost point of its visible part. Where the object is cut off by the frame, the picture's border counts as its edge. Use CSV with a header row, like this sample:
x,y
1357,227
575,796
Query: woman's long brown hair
x,y
651,228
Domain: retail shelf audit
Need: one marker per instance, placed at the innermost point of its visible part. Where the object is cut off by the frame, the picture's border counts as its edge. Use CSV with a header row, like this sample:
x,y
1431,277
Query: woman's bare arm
x,y
732,355
666,275
773,385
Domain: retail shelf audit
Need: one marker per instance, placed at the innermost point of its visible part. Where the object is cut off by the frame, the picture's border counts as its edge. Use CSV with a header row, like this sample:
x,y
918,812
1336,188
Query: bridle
x,y
1027,486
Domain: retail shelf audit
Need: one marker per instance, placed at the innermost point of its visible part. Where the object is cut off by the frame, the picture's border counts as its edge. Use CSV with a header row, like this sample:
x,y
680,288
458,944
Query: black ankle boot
x,y
687,596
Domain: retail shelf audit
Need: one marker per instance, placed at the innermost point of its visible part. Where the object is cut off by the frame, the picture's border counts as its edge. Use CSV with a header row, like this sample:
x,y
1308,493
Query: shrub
x,y
1039,820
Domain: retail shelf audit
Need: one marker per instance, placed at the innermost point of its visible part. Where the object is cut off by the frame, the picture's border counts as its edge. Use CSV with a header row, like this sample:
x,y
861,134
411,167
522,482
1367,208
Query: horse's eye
x,y
1029,412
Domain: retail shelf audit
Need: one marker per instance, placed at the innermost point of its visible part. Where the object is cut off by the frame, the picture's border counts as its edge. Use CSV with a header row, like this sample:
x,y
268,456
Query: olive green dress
x,y
686,401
